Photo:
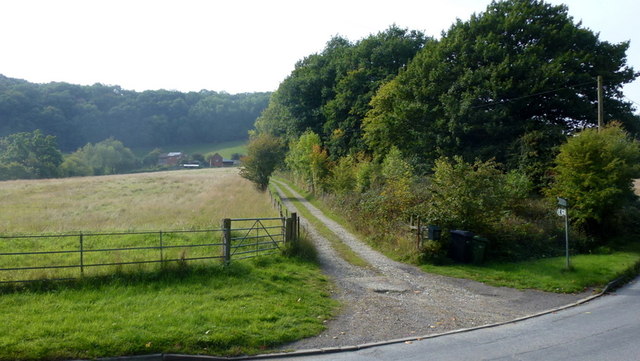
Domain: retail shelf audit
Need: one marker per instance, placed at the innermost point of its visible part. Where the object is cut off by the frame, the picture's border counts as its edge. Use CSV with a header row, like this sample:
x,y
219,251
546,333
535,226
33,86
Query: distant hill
x,y
78,114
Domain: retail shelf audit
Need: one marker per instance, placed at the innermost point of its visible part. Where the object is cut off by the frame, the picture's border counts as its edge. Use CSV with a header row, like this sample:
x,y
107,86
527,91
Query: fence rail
x,y
26,258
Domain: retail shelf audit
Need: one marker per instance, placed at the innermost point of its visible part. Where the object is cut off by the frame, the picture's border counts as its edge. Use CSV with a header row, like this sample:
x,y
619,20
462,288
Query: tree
x,y
264,153
109,156
469,196
521,66
29,155
595,171
300,157
329,93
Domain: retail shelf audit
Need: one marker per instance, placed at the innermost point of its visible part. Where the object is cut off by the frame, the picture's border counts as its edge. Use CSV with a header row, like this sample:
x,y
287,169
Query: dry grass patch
x,y
146,201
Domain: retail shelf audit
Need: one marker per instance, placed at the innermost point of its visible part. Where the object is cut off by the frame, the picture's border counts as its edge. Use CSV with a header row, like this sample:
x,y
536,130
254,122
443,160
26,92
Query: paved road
x,y
607,328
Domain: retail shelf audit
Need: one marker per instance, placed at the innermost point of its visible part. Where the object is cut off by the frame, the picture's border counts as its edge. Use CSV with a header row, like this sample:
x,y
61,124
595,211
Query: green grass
x,y
193,308
343,250
247,308
182,199
225,149
548,274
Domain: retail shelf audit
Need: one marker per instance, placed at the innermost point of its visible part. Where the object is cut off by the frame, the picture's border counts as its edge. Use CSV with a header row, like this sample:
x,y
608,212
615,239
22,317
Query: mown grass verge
x,y
343,250
549,274
246,308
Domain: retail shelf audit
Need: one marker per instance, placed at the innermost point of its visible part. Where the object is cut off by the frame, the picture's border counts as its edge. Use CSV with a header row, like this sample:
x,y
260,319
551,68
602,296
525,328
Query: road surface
x,y
607,328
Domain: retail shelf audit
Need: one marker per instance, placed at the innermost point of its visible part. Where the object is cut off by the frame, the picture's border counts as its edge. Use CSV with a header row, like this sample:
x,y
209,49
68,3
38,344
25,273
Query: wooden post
x,y
294,226
419,234
288,230
600,104
226,240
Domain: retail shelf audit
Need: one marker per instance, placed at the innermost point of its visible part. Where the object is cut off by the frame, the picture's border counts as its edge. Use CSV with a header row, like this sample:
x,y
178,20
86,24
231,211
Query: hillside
x,y
77,115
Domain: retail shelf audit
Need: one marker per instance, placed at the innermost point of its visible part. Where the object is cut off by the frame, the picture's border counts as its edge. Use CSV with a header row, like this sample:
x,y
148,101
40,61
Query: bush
x,y
594,171
265,153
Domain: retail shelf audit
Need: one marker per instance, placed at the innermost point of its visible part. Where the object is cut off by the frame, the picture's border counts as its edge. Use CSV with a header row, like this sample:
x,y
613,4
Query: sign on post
x,y
562,212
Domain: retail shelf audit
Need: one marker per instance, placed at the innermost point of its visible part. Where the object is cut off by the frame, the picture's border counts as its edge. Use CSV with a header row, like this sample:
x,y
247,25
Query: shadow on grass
x,y
166,275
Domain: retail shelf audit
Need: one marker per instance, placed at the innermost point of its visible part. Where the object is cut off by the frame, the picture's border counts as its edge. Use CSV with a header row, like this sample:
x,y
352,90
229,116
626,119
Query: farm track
x,y
392,300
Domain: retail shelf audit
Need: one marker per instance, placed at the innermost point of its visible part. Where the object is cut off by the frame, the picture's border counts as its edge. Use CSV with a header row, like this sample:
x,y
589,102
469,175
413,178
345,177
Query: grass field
x,y
246,308
144,201
225,149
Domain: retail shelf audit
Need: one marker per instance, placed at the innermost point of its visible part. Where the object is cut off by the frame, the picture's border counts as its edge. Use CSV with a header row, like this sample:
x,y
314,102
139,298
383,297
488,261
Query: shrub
x,y
265,153
594,171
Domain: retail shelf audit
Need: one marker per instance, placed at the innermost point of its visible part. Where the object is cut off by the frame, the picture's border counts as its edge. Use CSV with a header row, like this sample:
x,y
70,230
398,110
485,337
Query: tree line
x,y
77,115
477,129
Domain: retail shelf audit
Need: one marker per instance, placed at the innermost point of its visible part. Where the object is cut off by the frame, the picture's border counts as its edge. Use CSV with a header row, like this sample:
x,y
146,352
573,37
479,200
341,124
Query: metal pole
x,y
566,233
81,255
161,253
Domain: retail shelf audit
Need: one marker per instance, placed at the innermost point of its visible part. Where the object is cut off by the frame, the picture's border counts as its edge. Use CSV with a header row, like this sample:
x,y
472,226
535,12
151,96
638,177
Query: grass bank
x,y
247,308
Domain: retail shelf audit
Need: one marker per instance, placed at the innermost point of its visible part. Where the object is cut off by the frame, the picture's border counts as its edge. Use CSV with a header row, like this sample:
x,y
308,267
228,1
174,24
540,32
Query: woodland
x,y
76,115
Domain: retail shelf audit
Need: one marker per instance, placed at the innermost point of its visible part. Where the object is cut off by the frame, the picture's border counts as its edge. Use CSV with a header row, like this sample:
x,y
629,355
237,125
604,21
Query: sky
x,y
231,45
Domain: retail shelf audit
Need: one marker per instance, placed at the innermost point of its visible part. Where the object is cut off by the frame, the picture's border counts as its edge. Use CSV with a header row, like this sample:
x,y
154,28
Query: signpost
x,y
562,212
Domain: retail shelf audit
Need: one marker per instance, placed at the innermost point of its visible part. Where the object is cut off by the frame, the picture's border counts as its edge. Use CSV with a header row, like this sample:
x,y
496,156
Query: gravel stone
x,y
393,300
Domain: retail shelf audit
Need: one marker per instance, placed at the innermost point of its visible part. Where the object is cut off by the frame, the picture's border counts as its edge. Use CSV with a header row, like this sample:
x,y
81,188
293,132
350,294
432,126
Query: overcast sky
x,y
230,45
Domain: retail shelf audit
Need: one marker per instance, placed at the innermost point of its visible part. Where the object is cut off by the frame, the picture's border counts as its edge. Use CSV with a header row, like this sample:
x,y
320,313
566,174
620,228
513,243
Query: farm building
x,y
217,160
170,159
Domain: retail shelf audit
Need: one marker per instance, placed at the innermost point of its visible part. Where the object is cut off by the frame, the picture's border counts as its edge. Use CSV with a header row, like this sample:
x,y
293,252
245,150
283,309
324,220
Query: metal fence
x,y
25,258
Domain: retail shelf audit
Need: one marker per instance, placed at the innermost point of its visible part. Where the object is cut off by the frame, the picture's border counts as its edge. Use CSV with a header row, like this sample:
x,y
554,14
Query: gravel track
x,y
392,300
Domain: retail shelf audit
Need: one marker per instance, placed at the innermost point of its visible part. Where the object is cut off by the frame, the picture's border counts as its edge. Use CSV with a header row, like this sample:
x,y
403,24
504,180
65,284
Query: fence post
x,y
81,255
161,252
226,240
294,227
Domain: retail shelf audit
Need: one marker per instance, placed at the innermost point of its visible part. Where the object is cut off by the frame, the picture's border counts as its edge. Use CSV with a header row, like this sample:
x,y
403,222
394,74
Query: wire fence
x,y
25,258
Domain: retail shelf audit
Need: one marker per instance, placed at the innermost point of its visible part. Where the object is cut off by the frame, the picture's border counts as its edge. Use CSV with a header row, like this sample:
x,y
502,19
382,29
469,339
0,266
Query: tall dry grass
x,y
189,199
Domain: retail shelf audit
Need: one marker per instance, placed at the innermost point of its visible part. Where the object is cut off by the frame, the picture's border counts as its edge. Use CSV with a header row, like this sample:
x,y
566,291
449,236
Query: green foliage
x,y
595,172
78,115
107,157
265,153
343,176
521,66
29,155
308,160
329,93
151,158
469,196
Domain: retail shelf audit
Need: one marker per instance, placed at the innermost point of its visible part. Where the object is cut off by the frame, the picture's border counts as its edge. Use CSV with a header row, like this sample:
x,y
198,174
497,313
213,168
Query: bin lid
x,y
462,233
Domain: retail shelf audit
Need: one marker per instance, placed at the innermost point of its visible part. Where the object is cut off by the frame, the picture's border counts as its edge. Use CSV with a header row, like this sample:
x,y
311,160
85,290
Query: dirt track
x,y
394,300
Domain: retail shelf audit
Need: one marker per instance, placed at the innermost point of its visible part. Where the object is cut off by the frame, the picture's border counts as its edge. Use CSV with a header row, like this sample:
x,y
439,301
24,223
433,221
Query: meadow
x,y
190,199
247,307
